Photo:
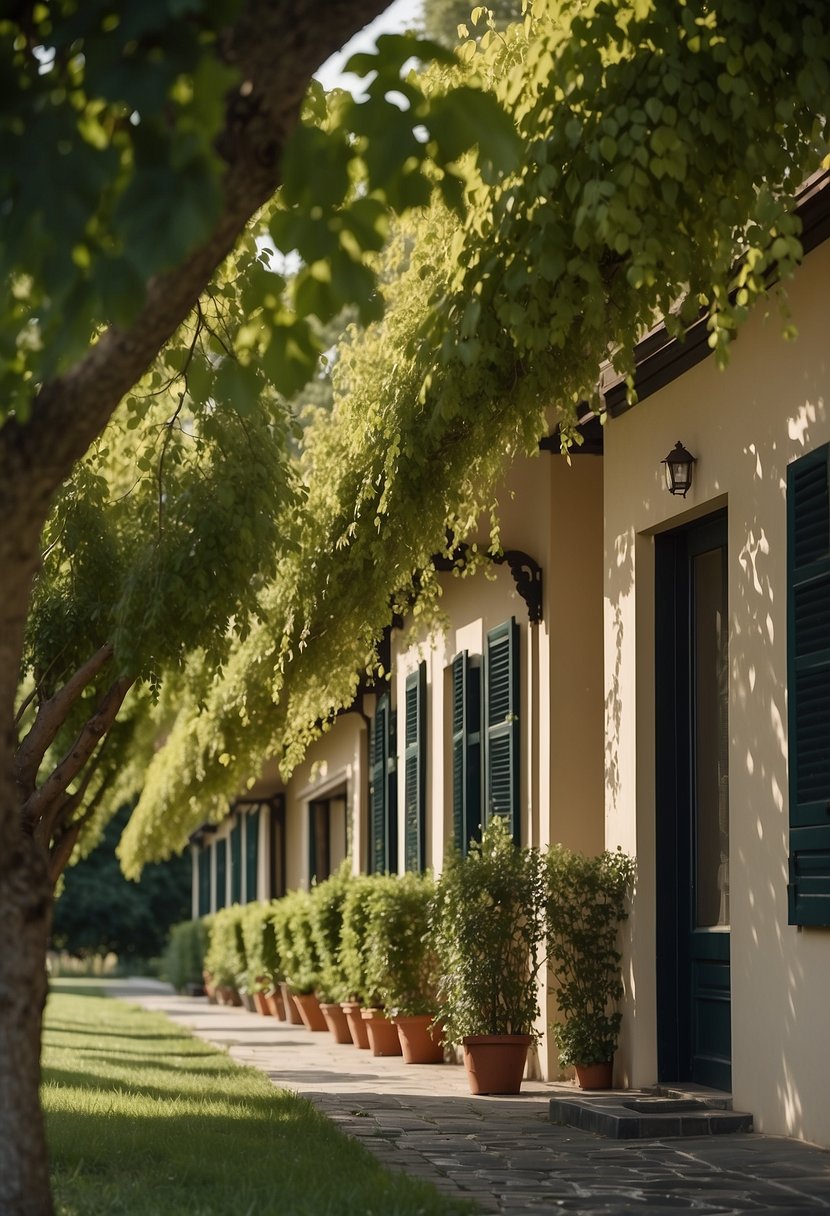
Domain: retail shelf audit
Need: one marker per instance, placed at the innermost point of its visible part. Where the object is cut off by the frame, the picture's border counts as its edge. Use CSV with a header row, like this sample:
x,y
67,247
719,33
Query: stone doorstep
x,y
651,1114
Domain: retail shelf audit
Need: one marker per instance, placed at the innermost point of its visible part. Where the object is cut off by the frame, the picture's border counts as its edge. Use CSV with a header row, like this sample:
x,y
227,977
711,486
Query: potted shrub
x,y
281,920
402,963
383,1035
488,924
272,968
585,906
225,956
353,955
253,918
327,901
301,963
184,956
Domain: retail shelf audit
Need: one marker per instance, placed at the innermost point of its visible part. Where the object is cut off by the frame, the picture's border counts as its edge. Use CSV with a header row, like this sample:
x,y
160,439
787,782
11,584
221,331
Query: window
x,y
808,645
501,726
415,770
466,750
327,835
383,797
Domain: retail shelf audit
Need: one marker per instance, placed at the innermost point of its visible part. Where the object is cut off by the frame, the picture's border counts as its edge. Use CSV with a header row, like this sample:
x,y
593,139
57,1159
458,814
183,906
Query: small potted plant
x,y
488,923
272,966
253,936
225,957
353,956
283,935
299,957
383,1035
327,900
585,906
402,964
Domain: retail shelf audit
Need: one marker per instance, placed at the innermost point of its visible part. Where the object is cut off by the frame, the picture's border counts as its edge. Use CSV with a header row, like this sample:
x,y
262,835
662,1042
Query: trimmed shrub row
x,y
467,947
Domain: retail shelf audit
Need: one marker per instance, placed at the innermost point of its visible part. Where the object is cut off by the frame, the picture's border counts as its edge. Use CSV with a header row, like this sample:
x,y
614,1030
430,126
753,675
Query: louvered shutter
x,y
415,770
236,862
808,641
221,847
379,798
392,795
501,726
251,854
466,751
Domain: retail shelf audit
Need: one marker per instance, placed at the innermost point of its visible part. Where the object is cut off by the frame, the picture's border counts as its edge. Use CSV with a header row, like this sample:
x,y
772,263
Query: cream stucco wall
x,y
745,425
552,512
336,762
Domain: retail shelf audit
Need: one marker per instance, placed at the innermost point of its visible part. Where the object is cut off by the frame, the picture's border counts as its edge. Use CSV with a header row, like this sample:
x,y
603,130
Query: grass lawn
x,y
144,1120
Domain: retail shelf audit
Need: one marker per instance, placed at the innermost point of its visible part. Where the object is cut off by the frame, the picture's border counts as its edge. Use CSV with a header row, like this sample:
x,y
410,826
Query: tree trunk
x,y
25,915
277,47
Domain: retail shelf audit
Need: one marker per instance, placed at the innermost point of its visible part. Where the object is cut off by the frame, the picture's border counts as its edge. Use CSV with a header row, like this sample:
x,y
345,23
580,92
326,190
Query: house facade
x,y
641,669
717,707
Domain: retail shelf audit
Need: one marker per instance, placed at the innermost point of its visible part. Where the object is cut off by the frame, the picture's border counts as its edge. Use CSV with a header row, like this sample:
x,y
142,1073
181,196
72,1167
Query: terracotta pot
x,y
261,1004
292,1013
421,1042
273,1000
383,1036
595,1076
210,987
310,1011
227,996
495,1063
337,1023
357,1027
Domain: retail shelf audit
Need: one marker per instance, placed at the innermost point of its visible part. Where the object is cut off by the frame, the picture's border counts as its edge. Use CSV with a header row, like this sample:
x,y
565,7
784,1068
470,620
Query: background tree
x,y
99,912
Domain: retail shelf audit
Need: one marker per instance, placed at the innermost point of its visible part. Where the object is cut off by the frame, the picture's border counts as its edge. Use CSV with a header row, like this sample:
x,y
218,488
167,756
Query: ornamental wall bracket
x,y
526,571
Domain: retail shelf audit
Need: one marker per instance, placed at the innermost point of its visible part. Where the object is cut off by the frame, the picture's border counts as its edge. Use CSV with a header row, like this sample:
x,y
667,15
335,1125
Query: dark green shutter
x,y
501,726
204,880
236,863
808,642
251,854
383,796
466,751
415,770
221,847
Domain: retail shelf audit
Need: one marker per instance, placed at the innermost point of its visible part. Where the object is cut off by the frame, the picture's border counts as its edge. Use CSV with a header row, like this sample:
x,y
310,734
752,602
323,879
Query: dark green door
x,y
692,695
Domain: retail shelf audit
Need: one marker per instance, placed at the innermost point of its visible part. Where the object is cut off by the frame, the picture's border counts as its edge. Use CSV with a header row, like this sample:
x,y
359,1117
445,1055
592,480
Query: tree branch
x,y
276,47
41,800
61,850
61,811
51,716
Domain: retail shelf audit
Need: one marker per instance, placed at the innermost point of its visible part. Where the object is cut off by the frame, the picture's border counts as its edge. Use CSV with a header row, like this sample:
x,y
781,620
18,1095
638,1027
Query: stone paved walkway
x,y
503,1153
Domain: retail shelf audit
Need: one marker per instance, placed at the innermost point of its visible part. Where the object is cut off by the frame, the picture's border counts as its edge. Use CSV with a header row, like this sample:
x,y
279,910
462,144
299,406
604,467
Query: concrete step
x,y
650,1114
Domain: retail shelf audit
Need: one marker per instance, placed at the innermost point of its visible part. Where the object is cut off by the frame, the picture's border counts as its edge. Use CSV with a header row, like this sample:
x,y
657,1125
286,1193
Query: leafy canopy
x,y
660,148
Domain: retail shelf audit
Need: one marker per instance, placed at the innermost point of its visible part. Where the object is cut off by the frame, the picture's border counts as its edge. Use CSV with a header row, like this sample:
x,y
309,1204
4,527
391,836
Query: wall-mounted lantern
x,y
679,470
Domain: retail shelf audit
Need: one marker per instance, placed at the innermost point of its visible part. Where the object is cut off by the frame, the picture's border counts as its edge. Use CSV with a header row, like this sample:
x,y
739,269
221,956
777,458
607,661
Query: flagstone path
x,y
500,1152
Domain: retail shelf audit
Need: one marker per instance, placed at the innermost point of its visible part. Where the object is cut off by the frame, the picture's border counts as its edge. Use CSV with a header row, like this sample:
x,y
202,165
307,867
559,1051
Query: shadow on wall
x,y
769,957
780,975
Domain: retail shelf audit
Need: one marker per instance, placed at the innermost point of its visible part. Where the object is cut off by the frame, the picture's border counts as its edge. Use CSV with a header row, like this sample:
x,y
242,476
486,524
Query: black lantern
x,y
679,470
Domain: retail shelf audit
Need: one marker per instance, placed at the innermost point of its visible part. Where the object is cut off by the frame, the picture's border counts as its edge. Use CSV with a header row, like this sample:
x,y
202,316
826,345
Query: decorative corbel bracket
x,y
526,571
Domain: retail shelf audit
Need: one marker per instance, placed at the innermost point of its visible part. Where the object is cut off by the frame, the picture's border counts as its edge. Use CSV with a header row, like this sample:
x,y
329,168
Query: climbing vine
x,y
661,144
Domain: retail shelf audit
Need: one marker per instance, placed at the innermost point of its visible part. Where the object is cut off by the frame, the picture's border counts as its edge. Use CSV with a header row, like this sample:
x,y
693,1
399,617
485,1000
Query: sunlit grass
x,y
145,1120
